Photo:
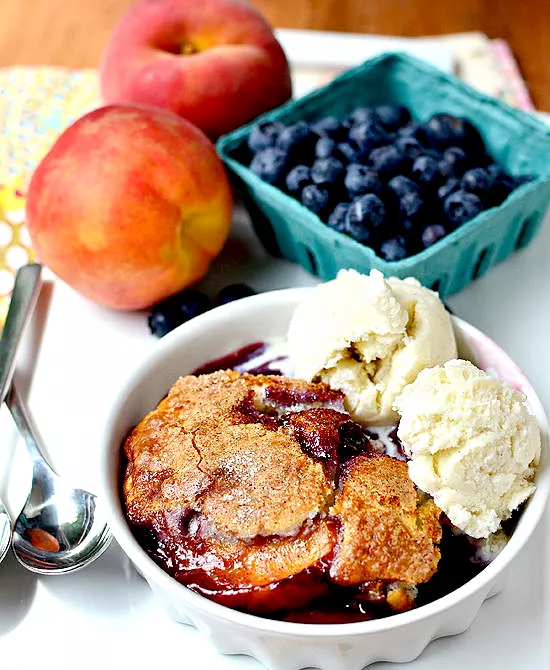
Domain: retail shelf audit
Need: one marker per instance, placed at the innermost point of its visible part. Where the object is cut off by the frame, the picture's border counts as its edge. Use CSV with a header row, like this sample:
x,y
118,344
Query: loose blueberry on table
x,y
189,303
233,292
177,309
427,178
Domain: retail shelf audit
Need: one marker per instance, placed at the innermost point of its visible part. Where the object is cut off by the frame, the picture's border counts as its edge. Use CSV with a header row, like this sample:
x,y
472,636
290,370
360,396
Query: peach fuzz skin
x,y
130,205
214,62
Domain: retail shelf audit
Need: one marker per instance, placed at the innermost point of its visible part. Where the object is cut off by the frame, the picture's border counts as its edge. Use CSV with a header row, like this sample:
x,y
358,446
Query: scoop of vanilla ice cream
x,y
369,337
473,444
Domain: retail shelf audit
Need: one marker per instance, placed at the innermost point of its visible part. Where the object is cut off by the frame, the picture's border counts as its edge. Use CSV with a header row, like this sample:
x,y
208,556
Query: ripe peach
x,y
129,206
214,62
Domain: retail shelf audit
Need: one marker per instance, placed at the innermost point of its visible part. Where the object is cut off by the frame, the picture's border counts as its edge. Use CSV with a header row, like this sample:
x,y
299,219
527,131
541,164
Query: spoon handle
x,y
24,297
27,430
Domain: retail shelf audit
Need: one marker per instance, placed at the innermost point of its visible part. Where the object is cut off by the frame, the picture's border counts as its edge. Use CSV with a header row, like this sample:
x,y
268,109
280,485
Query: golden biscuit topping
x,y
261,491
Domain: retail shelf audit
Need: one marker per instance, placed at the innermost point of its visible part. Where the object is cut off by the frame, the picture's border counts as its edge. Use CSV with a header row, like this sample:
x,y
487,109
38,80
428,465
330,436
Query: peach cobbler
x,y
262,494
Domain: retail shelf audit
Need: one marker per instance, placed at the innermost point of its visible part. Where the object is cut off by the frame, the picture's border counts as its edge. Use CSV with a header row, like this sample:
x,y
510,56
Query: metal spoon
x,y
59,529
24,296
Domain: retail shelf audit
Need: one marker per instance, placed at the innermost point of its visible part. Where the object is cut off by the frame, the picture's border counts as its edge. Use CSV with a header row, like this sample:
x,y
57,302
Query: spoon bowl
x,y
60,529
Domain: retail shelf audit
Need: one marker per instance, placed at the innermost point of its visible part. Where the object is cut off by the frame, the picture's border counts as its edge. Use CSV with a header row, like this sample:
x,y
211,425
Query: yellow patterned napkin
x,y
36,105
15,248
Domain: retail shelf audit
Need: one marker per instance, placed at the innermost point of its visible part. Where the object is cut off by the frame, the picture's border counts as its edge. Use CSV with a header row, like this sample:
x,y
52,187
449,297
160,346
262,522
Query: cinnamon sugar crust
x,y
200,451
239,480
388,531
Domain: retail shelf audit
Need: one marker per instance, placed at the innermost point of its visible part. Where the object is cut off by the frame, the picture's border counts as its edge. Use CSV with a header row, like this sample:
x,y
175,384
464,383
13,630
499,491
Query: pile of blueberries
x,y
387,181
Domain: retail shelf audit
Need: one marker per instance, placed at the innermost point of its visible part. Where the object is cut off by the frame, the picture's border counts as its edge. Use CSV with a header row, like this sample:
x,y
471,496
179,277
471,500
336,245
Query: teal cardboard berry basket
x,y
517,141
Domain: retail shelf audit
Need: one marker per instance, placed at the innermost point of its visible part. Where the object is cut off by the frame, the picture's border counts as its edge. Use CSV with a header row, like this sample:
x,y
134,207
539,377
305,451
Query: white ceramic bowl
x,y
281,645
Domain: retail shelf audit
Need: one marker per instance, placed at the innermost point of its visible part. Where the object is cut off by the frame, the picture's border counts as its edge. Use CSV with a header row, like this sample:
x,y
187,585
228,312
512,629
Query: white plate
x,y
84,354
308,48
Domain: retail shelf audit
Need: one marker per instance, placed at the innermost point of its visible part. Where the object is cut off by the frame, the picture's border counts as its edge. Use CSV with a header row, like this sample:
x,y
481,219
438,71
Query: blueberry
x,y
456,161
495,171
462,206
446,170
432,233
360,179
387,161
263,135
298,141
412,130
316,199
411,206
368,136
337,218
425,172
233,292
394,249
160,324
478,181
362,115
177,309
348,152
325,147
270,165
328,126
296,179
408,146
392,117
365,217
327,171
450,186
502,186
400,185
438,133
292,135
406,199
445,130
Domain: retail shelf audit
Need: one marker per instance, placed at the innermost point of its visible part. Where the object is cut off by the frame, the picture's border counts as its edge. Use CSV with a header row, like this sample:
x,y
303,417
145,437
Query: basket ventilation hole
x,y
311,262
526,231
480,265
